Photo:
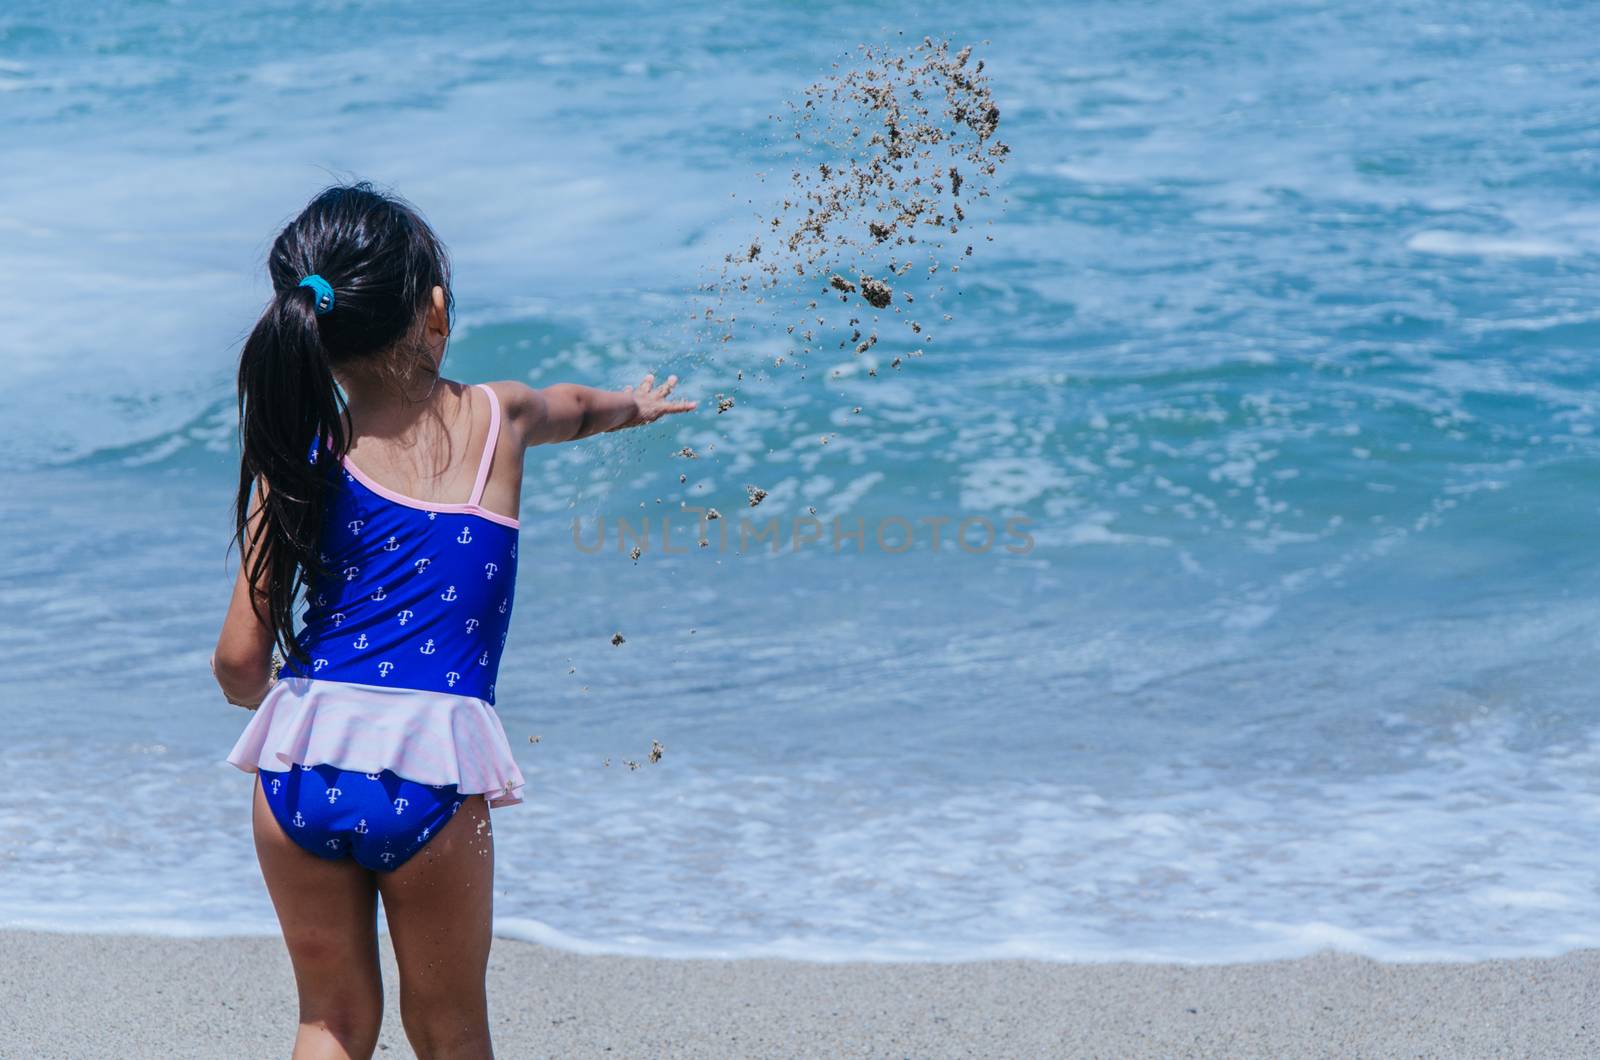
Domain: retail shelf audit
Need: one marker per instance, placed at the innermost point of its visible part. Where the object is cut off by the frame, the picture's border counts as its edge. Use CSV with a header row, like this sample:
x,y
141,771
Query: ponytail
x,y
288,401
350,276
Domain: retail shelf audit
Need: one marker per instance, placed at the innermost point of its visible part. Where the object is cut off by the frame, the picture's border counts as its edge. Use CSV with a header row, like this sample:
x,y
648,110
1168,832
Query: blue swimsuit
x,y
404,632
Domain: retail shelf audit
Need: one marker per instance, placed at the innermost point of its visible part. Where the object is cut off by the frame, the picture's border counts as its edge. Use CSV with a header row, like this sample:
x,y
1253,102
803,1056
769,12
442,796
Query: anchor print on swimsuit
x,y
417,595
380,819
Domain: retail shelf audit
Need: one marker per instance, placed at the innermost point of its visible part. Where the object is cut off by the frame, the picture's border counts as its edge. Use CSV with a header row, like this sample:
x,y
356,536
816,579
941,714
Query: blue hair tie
x,y
324,292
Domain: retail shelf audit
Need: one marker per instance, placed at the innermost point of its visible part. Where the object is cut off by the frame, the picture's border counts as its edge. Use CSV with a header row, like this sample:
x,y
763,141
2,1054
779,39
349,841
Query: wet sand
x,y
86,996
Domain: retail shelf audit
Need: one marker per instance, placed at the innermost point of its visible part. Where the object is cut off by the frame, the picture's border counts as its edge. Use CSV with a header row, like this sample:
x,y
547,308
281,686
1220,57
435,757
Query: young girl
x,y
393,508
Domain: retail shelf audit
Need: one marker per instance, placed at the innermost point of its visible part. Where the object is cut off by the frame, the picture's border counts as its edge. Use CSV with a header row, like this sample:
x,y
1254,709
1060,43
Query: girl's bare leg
x,y
440,906
328,911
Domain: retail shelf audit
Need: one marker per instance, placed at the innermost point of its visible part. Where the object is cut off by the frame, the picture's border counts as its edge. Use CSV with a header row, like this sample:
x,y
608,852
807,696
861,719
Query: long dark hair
x,y
383,262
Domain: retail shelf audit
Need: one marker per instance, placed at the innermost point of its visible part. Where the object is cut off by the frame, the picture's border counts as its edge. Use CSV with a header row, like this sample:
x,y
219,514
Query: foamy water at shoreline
x,y
1283,350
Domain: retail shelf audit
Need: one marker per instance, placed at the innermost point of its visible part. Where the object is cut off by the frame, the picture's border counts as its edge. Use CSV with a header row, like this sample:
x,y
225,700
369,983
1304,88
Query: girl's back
x,y
418,593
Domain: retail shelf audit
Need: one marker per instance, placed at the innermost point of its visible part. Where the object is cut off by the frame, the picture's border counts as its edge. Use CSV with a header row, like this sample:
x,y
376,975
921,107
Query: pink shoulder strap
x,y
488,445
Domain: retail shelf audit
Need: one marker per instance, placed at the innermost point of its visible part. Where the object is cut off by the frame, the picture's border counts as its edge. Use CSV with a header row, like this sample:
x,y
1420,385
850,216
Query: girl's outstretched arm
x,y
566,412
242,662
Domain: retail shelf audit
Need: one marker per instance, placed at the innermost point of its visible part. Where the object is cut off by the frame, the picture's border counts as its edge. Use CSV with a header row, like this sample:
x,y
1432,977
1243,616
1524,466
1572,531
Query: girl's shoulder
x,y
520,407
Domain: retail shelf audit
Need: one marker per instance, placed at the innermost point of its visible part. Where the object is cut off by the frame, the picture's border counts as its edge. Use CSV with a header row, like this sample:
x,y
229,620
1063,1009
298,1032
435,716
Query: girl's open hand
x,y
652,401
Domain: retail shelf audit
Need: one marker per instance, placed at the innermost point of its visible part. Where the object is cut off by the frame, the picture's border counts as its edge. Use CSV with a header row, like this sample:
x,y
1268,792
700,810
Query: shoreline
x,y
92,995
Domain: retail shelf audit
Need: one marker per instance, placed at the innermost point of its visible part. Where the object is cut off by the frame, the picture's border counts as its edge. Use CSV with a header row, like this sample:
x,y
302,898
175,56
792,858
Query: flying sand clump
x,y
877,293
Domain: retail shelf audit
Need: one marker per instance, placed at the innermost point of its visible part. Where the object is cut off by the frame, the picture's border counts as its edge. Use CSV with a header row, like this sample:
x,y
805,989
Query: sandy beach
x,y
85,996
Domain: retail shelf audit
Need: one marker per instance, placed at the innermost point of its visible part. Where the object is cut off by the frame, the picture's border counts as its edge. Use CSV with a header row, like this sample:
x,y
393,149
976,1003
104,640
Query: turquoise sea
x,y
1283,351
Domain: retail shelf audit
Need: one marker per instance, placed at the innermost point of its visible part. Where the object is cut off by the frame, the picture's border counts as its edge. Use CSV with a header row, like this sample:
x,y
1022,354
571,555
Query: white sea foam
x,y
994,483
1469,244
1214,872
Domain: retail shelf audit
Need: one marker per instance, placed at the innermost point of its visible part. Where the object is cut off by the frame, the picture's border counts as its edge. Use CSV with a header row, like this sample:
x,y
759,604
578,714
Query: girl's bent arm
x,y
566,412
242,662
